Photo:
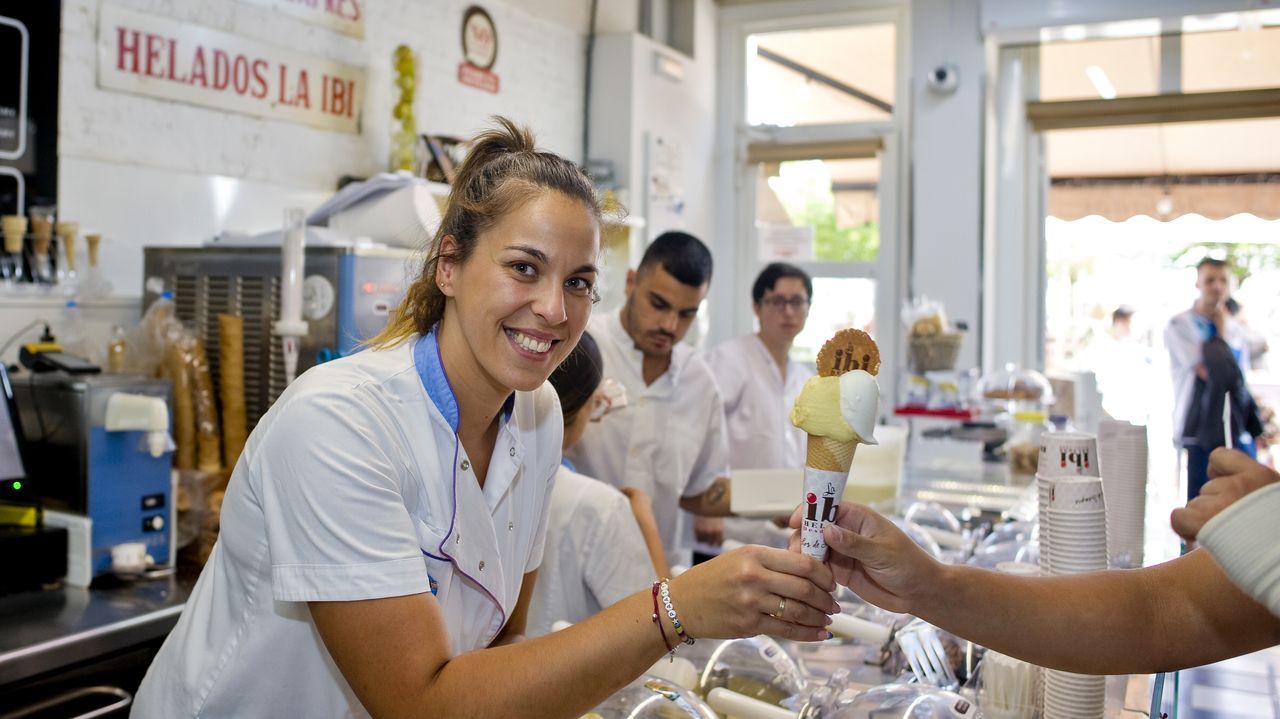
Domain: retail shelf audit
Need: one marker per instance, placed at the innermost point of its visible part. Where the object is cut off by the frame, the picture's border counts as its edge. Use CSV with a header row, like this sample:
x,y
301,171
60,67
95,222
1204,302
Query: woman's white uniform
x,y
355,486
596,554
757,407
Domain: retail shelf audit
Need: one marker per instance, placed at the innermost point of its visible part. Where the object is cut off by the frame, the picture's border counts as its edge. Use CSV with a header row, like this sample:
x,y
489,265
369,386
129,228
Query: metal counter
x,y
47,630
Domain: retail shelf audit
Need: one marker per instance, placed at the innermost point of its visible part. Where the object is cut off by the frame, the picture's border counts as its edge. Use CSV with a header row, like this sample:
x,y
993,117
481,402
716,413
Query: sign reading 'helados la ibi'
x,y
164,58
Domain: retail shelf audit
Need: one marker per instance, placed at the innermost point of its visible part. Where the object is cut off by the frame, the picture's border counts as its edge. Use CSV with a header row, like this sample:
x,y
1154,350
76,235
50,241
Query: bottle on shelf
x,y
116,349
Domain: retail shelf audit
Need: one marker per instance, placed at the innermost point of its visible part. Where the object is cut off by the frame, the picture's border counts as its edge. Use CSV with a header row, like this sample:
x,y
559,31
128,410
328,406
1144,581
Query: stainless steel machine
x,y
348,293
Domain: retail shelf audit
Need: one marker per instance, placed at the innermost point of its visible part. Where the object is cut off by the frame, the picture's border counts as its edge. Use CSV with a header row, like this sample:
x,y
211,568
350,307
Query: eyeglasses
x,y
612,397
777,302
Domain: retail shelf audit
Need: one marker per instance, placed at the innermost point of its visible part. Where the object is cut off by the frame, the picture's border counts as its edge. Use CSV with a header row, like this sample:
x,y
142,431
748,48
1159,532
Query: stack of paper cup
x,y
1077,521
1074,696
1062,455
1073,539
1122,454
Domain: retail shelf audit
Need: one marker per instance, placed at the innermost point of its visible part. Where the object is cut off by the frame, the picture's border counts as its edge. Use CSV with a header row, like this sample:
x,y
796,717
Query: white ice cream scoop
x,y
860,403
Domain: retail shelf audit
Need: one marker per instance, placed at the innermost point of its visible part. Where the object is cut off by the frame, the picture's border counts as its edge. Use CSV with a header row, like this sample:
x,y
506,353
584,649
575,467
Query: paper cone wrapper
x,y
829,455
825,473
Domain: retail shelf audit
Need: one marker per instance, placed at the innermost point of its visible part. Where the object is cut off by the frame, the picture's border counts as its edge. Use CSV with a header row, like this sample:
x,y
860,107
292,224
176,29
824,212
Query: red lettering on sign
x,y
199,73
154,43
303,90
127,47
221,70
240,74
259,79
173,63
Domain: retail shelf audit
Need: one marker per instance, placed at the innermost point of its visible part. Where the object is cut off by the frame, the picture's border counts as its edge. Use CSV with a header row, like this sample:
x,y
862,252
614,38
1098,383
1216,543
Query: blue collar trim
x,y
430,367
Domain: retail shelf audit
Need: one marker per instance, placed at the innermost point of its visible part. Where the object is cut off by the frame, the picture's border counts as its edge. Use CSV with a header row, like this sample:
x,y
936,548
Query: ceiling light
x,y
1101,82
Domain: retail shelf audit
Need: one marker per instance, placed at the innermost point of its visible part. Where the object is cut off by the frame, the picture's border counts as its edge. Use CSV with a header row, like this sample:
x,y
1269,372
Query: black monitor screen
x,y
10,455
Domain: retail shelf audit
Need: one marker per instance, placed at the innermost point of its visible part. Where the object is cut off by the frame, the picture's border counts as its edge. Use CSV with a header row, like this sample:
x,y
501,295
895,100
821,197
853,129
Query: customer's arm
x,y
1232,476
1179,614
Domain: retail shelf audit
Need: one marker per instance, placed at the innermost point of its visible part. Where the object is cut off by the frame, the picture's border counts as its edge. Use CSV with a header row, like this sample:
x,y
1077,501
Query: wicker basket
x,y
934,352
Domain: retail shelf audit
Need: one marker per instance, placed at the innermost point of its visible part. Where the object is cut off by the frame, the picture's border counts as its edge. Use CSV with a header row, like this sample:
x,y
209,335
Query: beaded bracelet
x,y
656,620
671,613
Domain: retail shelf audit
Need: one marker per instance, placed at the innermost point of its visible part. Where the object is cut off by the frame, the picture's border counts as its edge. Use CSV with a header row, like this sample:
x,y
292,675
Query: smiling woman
x,y
382,531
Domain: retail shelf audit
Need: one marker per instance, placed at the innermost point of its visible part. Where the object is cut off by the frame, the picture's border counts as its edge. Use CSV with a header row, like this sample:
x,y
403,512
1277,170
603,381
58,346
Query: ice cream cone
x,y
828,454
93,239
15,229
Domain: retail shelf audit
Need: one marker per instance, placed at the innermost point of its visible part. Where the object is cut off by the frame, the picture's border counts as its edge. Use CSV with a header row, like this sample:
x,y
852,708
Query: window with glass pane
x,y
808,77
818,211
1100,69
838,303
1244,59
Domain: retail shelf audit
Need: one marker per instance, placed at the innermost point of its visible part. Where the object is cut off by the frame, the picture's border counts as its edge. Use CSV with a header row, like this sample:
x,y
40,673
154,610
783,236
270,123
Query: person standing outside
x,y
1186,336
759,382
670,441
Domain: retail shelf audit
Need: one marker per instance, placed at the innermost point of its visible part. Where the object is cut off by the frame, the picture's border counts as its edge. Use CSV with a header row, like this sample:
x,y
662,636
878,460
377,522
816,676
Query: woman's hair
x,y
577,378
502,171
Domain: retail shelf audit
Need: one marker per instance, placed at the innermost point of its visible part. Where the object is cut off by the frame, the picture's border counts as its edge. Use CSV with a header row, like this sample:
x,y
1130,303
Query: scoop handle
x,y
741,706
857,628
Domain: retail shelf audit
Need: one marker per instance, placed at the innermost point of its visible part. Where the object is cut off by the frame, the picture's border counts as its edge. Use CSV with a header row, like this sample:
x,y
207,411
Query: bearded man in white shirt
x,y
759,382
670,440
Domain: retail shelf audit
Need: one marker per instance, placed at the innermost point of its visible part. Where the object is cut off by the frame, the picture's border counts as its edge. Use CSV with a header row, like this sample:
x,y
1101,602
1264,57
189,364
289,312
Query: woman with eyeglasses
x,y
383,529
759,382
602,544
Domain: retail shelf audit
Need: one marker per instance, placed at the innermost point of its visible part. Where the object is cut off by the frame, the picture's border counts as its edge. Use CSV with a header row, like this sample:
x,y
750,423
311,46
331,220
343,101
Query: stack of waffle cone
x,y
848,350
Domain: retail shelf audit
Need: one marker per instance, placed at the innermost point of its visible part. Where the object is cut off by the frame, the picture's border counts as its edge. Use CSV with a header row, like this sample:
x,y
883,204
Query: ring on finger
x,y
782,607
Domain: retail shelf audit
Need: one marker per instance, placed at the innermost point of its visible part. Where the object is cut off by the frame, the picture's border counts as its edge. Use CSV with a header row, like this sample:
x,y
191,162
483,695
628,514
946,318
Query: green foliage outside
x,y
806,195
1244,258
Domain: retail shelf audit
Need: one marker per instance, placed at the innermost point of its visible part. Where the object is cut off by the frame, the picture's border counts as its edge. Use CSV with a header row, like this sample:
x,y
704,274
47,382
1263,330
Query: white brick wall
x,y
540,63
145,171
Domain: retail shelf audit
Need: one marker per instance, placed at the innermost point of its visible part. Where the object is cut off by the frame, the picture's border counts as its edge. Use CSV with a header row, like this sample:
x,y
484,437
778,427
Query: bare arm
x,y
395,654
1178,614
642,509
714,502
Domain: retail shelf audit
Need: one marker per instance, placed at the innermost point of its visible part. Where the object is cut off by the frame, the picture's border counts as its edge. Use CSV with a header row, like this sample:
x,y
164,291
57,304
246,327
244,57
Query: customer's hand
x,y
735,594
871,556
1232,475
708,530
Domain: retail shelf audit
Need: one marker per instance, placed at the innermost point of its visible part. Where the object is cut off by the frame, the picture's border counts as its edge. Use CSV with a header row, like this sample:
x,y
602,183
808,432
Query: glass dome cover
x,y
906,701
757,667
650,697
1013,384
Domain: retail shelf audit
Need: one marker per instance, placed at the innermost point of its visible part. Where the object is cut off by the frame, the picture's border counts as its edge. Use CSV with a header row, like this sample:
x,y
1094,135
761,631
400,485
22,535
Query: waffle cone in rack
x,y
828,454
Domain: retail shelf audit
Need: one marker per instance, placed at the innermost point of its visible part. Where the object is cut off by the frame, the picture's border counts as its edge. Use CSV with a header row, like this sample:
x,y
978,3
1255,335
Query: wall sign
x,y
164,58
30,37
479,50
345,16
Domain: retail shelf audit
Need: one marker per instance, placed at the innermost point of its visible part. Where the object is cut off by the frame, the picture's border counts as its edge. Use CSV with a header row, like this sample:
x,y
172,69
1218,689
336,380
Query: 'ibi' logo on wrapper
x,y
829,506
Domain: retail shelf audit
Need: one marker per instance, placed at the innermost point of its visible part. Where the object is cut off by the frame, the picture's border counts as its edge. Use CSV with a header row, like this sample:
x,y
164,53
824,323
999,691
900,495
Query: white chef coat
x,y
757,405
669,441
1184,337
355,486
596,554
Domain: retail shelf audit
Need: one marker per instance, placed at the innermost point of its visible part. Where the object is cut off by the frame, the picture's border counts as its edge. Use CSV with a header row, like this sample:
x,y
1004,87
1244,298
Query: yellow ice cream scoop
x,y
817,410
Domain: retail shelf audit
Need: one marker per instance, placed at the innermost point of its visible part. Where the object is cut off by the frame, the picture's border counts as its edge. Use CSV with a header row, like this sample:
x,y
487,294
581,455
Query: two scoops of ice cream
x,y
837,410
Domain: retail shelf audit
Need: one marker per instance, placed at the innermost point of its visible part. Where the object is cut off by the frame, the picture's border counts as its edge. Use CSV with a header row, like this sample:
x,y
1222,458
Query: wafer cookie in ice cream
x,y
837,410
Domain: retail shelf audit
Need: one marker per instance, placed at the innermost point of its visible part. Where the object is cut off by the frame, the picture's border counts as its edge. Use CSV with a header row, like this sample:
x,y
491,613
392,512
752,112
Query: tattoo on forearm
x,y
715,493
